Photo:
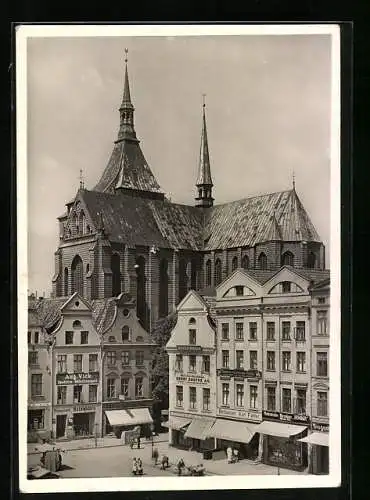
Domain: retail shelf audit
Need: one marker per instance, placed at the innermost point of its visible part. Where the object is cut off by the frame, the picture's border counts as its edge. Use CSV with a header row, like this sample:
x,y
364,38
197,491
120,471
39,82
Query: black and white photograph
x,y
178,214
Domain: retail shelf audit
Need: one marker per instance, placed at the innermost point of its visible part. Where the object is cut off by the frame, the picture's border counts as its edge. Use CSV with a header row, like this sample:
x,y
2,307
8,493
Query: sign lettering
x,y
255,416
77,378
320,427
189,348
83,408
239,373
192,379
285,417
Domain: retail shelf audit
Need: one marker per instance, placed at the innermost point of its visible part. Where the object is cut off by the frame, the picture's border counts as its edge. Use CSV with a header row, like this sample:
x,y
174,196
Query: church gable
x,y
239,283
78,221
76,303
286,280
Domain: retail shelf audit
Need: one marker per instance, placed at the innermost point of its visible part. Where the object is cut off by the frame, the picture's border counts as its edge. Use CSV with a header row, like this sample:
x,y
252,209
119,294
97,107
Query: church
x,y
125,235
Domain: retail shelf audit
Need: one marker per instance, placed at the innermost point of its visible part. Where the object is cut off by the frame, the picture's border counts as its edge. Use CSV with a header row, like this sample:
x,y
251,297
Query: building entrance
x,y
61,426
83,424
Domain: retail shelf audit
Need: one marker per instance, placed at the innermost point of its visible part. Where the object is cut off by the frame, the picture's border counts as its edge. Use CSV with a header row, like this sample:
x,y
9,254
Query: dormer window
x,y
76,324
192,337
125,334
239,291
112,338
192,321
286,286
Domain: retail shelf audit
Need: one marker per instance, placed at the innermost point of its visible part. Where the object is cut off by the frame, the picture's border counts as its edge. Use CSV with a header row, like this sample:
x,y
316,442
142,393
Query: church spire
x,y
204,181
126,110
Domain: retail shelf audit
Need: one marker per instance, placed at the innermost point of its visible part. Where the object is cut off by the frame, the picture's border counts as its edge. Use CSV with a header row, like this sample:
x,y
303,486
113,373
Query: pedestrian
x,y
229,453
180,466
236,455
155,456
131,443
165,463
140,466
138,442
134,466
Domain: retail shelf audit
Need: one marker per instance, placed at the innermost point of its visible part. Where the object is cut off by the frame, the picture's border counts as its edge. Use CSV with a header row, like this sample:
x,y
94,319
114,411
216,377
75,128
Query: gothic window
x,y
87,268
218,274
116,275
66,281
311,260
245,262
76,223
163,288
193,278
208,273
287,259
183,279
234,263
140,293
77,275
81,222
262,261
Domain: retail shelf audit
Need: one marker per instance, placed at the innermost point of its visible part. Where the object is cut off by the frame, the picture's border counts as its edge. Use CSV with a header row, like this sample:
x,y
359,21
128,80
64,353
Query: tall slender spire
x,y
204,182
126,130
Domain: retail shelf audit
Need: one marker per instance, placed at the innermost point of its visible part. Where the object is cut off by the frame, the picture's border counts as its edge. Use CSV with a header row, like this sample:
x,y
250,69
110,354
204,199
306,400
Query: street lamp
x,y
96,434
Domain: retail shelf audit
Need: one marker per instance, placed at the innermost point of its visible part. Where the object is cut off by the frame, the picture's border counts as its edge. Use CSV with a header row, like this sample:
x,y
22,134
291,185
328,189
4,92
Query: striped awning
x,y
318,438
199,428
230,430
177,423
278,429
134,416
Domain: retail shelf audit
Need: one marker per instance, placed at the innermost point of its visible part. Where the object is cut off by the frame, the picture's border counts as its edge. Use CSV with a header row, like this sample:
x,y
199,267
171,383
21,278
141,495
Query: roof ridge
x,y
252,197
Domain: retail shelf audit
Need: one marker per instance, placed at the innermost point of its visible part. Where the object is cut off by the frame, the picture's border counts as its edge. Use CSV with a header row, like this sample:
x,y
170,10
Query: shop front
x,y
237,435
84,421
196,436
280,442
177,427
129,419
318,444
38,422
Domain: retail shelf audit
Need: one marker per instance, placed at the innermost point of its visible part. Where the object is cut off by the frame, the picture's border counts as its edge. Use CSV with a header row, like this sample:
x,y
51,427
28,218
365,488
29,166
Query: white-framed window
x,y
179,363
225,394
77,394
286,329
124,386
322,322
193,397
225,331
271,398
125,358
239,360
270,330
271,360
36,384
287,357
301,362
93,362
253,330
322,364
139,358
93,393
225,359
206,364
300,333
192,363
62,363
33,358
139,387
62,394
239,330
179,395
206,399
239,394
322,404
253,391
287,400
301,402
253,363
111,388
77,362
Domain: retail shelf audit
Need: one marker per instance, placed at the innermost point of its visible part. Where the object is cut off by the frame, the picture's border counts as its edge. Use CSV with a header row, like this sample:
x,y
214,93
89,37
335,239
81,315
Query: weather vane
x,y
81,179
204,100
126,52
293,180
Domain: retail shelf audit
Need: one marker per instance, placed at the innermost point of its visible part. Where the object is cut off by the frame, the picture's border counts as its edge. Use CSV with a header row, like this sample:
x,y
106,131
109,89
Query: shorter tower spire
x,y
126,110
204,182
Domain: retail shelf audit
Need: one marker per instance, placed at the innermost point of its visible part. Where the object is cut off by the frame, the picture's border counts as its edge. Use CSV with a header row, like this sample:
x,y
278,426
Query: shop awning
x,y
319,438
177,423
230,430
199,428
278,429
135,416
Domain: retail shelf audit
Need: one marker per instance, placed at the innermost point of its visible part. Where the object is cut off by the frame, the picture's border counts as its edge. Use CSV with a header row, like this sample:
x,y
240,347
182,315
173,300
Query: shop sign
x,y
192,379
83,408
77,378
38,405
255,416
227,372
285,417
320,427
189,348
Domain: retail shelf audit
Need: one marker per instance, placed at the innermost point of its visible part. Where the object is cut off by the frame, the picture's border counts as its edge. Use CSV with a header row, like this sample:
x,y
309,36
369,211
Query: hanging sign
x,y
77,378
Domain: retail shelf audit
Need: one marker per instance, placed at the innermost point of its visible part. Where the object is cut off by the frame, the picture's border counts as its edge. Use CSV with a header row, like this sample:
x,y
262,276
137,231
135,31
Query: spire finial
x,y
293,180
81,179
204,100
126,52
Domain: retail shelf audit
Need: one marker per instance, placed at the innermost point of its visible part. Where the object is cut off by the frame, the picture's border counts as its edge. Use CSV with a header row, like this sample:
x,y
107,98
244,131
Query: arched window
x,y
287,259
163,288
183,279
209,273
77,275
234,263
218,273
76,324
76,224
81,222
125,333
193,278
311,260
140,290
262,261
245,262
192,321
87,268
66,281
116,274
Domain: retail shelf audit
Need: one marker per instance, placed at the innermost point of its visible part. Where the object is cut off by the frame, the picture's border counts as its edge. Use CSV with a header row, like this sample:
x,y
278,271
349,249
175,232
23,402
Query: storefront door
x,y
82,424
61,425
323,459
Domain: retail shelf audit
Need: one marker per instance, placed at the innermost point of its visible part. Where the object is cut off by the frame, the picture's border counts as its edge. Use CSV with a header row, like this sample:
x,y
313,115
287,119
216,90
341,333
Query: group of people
x,y
137,467
164,461
232,455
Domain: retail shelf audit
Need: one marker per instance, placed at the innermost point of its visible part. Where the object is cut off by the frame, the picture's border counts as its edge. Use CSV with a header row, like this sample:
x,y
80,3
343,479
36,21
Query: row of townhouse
x,y
89,366
249,368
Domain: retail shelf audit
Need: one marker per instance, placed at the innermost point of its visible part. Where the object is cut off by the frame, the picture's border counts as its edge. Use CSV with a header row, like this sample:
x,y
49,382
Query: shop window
x,y
301,402
84,337
300,333
192,397
179,396
183,279
271,360
286,361
225,394
262,261
111,388
253,360
76,324
125,358
139,358
218,272
111,358
206,364
271,398
36,337
322,404
77,275
245,262
93,393
253,396
301,362
322,322
69,338
234,264
239,331
139,389
239,395
192,336
270,330
36,384
252,330
225,331
322,364
77,363
29,337
33,358
285,330
287,400
93,362
66,282
163,288
62,363
115,266
208,273
125,333
35,420
225,359
206,399
311,260
239,360
62,395
179,363
77,394
192,363
287,259
124,386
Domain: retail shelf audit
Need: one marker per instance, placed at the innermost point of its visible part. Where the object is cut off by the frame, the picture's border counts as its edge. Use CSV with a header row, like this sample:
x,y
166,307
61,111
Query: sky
x,y
268,104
